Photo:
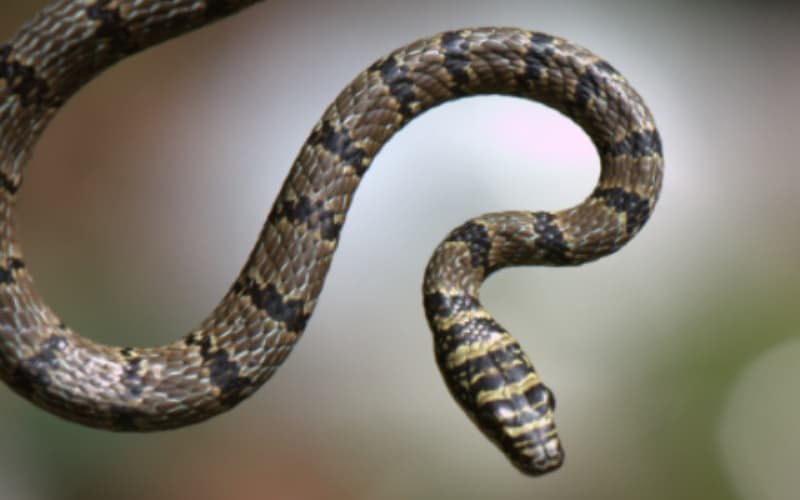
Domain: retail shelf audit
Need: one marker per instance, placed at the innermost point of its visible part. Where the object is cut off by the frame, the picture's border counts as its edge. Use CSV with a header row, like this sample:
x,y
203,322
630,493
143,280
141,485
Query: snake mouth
x,y
531,440
540,456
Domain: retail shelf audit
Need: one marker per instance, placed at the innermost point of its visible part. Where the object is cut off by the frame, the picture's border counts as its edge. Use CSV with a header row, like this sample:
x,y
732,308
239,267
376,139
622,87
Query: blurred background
x,y
674,361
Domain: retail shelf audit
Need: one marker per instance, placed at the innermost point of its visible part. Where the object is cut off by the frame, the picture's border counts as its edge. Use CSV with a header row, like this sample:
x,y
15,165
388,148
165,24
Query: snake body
x,y
250,333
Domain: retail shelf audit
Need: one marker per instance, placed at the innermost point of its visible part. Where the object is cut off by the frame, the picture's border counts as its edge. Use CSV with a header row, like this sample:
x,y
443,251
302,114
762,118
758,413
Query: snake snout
x,y
547,460
541,453
525,428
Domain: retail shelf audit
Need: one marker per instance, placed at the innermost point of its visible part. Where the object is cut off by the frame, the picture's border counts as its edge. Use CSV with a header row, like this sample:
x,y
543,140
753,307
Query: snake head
x,y
518,418
525,430
497,387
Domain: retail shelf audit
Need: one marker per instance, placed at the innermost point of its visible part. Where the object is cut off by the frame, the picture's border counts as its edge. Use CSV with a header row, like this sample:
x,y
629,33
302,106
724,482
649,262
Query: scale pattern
x,y
249,334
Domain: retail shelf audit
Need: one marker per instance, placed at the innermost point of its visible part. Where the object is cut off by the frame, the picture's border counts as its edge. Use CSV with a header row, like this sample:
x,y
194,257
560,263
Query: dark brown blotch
x,y
339,143
636,208
537,58
395,76
7,271
550,239
637,144
112,27
303,210
476,236
269,299
589,87
607,68
438,304
456,60
21,80
223,372
34,373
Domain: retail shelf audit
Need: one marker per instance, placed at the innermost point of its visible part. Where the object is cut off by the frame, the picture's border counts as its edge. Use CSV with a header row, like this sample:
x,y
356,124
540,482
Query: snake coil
x,y
249,334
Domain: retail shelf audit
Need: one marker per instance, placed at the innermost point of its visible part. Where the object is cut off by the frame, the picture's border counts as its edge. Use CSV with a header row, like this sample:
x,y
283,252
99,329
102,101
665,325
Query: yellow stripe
x,y
467,352
507,391
529,446
545,421
445,323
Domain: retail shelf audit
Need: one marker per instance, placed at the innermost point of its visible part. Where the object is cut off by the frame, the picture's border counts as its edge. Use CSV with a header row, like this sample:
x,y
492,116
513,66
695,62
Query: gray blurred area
x,y
674,361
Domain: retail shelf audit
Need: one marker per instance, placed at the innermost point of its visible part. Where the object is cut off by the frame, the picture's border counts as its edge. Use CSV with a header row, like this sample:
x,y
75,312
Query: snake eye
x,y
540,398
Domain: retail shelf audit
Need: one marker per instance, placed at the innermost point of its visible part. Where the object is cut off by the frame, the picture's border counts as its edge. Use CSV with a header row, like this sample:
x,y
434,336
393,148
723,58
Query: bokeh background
x,y
674,362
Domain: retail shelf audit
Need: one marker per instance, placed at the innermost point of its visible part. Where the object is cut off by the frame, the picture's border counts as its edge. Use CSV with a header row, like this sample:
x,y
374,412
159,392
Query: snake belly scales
x,y
249,334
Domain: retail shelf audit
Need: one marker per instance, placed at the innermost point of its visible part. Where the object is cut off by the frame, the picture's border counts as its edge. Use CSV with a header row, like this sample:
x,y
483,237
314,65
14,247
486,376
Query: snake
x,y
253,329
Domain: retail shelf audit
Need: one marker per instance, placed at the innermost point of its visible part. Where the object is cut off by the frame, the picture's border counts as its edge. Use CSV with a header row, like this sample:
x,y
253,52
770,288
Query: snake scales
x,y
249,334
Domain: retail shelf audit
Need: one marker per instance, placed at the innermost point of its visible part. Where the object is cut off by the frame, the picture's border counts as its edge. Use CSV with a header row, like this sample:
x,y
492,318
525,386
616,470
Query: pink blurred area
x,y
149,188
